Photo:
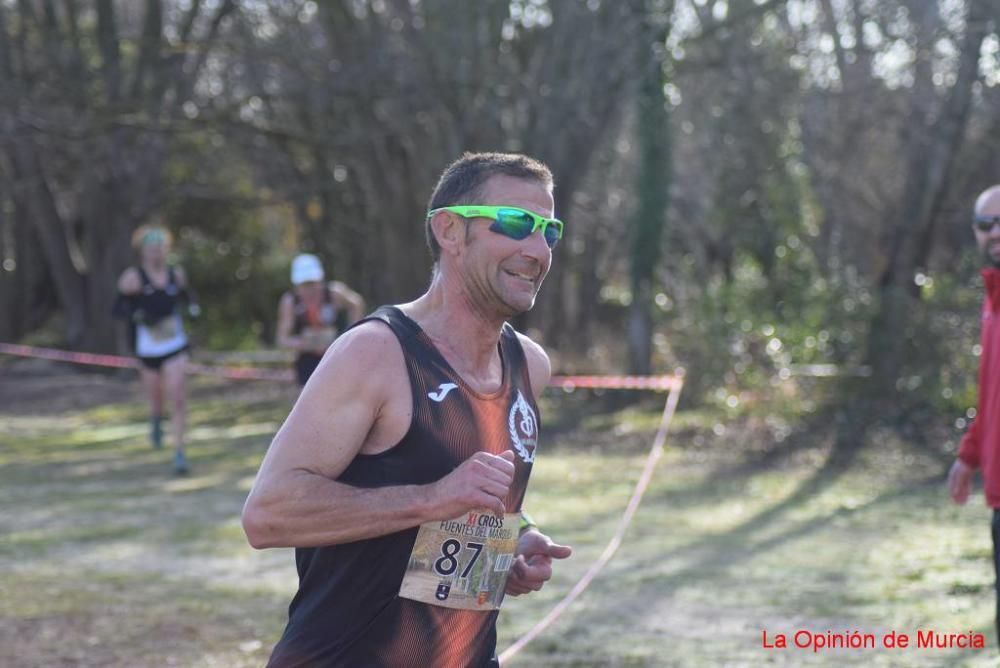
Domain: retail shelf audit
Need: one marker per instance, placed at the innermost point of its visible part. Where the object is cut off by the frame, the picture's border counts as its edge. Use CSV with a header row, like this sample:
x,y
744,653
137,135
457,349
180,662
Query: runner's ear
x,y
449,230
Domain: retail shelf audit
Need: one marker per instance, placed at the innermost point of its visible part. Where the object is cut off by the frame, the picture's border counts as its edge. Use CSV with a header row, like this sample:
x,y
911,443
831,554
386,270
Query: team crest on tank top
x,y
523,426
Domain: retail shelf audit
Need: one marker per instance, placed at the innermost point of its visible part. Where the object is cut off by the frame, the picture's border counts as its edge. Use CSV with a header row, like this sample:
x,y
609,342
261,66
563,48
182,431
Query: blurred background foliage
x,y
768,193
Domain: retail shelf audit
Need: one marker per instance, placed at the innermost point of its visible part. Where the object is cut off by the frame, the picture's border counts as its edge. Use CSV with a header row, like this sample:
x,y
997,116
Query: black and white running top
x,y
159,329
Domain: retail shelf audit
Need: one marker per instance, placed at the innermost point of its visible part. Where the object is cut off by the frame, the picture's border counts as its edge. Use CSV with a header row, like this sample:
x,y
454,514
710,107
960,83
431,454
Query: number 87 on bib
x,y
462,563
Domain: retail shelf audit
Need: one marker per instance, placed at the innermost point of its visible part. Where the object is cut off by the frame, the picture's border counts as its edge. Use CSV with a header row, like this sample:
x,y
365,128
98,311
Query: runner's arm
x,y
354,402
348,299
187,294
129,283
128,289
286,321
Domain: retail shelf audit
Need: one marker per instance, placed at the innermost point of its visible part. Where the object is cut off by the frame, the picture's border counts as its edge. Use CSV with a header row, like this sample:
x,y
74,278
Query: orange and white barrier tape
x,y
92,359
119,362
241,372
660,383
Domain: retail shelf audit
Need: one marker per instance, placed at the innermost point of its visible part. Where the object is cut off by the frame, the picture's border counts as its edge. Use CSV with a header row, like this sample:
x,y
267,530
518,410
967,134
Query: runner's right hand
x,y
480,482
959,482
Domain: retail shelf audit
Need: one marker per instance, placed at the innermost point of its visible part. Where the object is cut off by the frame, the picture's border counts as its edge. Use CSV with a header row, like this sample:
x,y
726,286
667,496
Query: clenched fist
x,y
480,482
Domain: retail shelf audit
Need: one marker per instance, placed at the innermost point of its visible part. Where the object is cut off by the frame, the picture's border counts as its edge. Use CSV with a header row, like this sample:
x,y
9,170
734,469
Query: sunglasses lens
x,y
553,233
514,224
986,224
519,225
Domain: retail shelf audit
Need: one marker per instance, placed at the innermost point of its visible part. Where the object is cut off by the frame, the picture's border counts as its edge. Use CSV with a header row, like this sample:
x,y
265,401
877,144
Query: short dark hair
x,y
463,182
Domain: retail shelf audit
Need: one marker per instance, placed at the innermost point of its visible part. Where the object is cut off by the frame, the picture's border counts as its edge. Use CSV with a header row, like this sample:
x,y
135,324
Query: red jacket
x,y
980,446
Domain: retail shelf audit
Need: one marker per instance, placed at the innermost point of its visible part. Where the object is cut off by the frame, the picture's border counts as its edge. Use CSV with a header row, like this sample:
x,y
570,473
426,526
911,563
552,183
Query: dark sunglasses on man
x,y
985,224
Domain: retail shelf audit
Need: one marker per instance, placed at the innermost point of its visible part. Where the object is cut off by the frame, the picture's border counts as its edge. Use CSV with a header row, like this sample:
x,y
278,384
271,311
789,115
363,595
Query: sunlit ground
x,y
109,560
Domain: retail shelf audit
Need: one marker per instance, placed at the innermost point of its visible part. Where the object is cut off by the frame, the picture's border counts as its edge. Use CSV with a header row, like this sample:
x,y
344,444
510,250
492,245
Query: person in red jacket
x,y
980,447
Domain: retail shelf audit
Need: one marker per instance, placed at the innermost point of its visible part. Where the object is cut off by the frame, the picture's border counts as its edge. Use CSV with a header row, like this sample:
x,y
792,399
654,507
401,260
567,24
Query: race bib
x,y
462,563
164,330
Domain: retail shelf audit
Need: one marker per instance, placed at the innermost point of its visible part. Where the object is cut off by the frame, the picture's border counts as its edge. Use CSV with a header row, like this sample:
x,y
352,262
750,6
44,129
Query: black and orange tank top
x,y
324,315
347,611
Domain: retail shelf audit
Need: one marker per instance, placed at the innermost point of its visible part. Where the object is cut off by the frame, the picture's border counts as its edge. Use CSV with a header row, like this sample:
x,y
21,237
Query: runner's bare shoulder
x,y
367,359
539,366
360,387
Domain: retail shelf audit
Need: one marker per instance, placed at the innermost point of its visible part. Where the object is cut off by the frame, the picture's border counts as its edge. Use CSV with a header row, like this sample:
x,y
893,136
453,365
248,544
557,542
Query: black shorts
x,y
154,363
305,364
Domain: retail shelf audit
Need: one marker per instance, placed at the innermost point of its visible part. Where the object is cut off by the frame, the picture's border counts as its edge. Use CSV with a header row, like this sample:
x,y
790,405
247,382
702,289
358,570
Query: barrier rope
x,y
660,383
655,452
568,383
91,359
119,362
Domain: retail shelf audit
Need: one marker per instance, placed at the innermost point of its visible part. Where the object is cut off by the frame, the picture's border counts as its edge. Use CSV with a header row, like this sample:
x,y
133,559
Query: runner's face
x,y
989,242
310,289
505,274
154,252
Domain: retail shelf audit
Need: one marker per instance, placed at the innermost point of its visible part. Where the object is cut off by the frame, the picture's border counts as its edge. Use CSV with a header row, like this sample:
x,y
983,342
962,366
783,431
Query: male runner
x,y
400,472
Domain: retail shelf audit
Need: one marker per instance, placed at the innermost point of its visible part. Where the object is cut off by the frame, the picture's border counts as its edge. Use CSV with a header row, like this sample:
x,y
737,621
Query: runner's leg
x,y
153,385
175,381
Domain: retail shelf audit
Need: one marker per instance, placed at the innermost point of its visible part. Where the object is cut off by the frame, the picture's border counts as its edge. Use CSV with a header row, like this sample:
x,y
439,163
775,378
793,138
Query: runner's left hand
x,y
532,566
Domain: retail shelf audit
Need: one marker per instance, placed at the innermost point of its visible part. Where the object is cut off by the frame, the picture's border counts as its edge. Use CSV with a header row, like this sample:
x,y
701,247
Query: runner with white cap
x,y
313,312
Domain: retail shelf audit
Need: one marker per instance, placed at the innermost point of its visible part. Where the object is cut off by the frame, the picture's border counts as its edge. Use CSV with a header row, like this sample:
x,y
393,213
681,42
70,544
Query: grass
x,y
109,560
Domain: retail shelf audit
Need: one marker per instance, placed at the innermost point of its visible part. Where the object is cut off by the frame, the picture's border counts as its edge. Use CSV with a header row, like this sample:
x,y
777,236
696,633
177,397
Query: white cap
x,y
305,268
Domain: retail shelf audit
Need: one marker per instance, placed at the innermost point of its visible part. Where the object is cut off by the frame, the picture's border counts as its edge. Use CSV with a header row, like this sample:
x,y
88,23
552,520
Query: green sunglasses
x,y
510,221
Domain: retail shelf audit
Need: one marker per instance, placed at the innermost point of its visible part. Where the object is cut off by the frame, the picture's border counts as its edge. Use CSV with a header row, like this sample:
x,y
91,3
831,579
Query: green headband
x,y
154,237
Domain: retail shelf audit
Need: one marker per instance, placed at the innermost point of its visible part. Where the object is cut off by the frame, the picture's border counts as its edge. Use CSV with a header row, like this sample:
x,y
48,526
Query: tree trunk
x,y
52,236
640,330
653,194
909,240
